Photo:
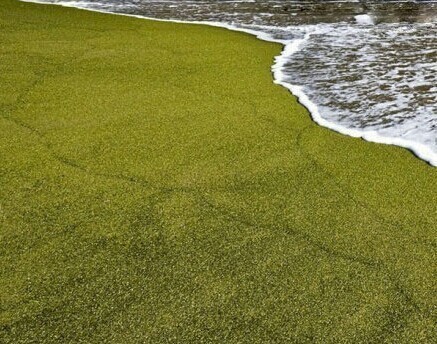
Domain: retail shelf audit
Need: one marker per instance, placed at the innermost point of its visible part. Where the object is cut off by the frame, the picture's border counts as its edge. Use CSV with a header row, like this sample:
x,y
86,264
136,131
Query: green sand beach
x,y
157,187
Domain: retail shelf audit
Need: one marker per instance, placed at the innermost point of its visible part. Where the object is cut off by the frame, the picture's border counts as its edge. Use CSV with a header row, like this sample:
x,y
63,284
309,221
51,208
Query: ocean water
x,y
363,69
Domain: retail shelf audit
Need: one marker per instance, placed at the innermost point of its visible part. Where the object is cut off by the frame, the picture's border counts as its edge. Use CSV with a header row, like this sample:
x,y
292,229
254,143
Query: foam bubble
x,y
364,19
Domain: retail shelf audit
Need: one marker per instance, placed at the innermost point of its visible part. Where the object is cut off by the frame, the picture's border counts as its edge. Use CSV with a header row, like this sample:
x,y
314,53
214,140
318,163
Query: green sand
x,y
157,187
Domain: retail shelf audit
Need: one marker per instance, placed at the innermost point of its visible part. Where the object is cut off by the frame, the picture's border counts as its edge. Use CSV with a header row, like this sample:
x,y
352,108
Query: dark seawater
x,y
364,68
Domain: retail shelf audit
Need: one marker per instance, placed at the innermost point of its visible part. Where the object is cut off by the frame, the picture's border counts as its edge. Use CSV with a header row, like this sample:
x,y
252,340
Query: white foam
x,y
290,48
364,19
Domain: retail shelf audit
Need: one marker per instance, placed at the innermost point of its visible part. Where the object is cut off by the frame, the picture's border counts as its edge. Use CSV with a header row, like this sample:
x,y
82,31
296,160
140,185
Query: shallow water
x,y
366,70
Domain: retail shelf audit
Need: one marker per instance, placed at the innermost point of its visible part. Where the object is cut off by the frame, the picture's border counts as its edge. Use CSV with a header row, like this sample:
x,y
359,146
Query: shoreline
x,y
158,187
420,150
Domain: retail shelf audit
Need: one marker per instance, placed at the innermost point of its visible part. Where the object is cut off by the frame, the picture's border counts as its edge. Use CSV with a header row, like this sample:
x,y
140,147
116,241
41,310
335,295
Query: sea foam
x,y
364,19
